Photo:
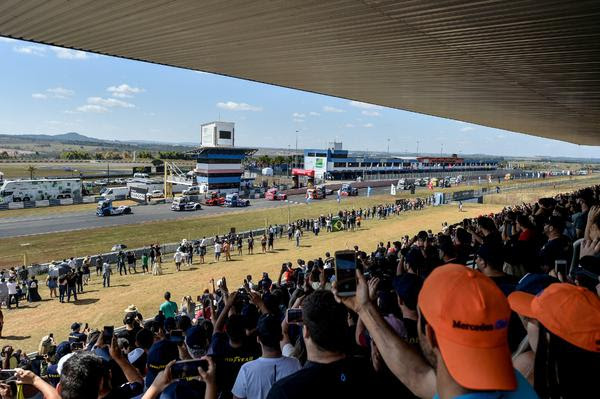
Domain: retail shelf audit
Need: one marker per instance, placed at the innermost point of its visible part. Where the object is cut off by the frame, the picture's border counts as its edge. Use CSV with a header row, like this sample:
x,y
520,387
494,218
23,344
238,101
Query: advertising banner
x,y
138,194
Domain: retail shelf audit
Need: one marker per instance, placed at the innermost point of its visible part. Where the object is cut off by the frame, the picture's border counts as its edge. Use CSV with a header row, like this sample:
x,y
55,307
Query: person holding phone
x,y
256,377
325,333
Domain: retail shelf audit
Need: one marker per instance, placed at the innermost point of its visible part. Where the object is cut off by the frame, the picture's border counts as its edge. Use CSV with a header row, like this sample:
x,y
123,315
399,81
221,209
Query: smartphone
x,y
176,336
294,316
107,334
345,272
560,266
188,368
7,374
76,346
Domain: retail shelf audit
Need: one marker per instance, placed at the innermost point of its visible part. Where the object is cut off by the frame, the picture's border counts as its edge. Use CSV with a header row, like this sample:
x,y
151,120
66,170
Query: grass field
x,y
99,306
46,247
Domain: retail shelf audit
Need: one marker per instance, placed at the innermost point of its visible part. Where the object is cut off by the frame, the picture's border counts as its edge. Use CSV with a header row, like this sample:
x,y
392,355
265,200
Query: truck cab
x,y
348,190
234,201
214,199
193,190
273,195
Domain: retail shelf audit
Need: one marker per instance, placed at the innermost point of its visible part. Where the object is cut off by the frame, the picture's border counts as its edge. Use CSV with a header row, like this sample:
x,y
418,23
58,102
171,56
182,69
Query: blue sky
x,y
49,90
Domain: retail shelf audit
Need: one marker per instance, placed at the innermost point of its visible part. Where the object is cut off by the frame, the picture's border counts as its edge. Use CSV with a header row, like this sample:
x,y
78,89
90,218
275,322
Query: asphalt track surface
x,y
72,221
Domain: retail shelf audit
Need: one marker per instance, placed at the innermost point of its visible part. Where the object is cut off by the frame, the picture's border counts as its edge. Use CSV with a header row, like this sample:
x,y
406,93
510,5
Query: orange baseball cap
x,y
469,315
569,311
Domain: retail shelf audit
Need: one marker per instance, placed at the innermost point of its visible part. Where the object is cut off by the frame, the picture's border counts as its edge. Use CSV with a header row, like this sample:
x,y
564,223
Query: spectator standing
x,y
106,272
256,377
99,265
131,262
86,269
217,249
297,235
3,293
62,287
145,262
168,307
121,263
12,293
177,258
52,284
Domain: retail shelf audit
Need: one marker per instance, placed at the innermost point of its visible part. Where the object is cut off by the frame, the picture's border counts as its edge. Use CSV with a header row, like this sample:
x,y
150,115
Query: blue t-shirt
x,y
523,391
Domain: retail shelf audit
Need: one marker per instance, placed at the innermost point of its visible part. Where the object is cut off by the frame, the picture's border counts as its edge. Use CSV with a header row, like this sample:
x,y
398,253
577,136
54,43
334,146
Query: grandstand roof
x,y
519,65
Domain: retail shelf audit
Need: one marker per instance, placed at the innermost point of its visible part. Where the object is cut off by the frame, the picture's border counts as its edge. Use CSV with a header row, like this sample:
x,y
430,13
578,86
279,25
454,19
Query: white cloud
x,y
68,54
92,108
298,115
313,113
233,106
31,50
6,39
124,90
349,125
39,96
466,129
359,104
328,108
60,92
298,120
368,125
370,113
109,102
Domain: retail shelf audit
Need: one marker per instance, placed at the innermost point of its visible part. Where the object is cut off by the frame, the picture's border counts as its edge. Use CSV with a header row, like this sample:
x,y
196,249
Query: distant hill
x,y
62,138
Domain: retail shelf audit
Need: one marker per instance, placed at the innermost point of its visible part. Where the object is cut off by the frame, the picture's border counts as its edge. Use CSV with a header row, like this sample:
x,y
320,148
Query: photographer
x,y
26,381
230,349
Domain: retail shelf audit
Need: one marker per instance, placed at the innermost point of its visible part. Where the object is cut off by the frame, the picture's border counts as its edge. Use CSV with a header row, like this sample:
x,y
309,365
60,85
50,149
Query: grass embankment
x,y
100,306
52,210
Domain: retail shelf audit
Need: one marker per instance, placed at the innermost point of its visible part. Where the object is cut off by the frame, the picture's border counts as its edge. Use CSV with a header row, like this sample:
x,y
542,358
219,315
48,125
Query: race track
x,y
61,222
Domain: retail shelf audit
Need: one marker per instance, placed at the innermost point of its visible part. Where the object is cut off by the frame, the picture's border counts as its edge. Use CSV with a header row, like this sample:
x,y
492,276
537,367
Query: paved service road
x,y
22,226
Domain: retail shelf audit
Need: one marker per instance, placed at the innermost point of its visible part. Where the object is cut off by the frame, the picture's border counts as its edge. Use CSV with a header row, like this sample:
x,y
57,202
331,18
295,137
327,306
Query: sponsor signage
x,y
138,194
463,195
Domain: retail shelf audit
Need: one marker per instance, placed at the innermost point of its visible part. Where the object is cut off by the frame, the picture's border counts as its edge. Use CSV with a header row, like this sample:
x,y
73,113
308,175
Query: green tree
x,y
144,154
157,162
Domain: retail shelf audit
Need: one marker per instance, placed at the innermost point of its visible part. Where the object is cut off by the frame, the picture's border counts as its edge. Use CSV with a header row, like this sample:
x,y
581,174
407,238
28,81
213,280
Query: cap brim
x,y
479,368
520,302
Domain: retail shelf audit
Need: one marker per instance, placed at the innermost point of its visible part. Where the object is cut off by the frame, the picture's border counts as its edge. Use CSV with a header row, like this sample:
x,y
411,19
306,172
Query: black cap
x,y
75,326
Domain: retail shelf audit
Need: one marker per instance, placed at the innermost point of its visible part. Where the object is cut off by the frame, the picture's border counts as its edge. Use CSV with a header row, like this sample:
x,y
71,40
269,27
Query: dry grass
x,y
99,306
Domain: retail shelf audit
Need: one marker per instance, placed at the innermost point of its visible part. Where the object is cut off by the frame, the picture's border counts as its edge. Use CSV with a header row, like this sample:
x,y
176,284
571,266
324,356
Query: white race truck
x,y
39,189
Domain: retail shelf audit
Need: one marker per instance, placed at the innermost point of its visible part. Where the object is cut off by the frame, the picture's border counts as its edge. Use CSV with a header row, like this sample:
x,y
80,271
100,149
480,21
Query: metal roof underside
x,y
525,66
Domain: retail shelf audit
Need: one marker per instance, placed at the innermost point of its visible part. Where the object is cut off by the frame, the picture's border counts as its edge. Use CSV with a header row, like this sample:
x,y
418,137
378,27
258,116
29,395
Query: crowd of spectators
x,y
502,306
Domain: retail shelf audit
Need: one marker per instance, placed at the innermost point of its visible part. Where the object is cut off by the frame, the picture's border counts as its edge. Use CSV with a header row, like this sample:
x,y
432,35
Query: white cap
x,y
62,361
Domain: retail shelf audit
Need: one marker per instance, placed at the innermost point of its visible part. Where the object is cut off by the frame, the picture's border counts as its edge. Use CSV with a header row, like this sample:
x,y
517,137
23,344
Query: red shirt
x,y
527,235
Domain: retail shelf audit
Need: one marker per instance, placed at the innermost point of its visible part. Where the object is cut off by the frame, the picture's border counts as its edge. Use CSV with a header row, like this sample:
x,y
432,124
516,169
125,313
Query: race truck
x,y
214,199
315,193
105,208
273,195
348,191
184,204
234,201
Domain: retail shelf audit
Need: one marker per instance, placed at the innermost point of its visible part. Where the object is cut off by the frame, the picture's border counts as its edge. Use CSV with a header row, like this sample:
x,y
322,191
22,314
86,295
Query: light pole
x,y
417,147
388,140
296,151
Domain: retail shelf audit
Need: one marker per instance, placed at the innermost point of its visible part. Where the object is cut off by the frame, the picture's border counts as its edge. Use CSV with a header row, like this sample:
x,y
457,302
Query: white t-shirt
x,y
12,288
217,247
256,378
178,256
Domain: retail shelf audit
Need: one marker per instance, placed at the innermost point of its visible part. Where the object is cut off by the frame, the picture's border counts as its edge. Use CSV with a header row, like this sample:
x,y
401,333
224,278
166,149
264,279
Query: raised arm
x,y
407,364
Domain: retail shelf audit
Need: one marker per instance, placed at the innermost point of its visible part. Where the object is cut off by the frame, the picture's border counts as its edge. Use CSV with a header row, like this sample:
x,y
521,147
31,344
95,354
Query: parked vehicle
x,y
105,208
234,201
141,175
273,195
184,204
214,199
39,189
193,190
348,190
102,182
113,192
155,194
